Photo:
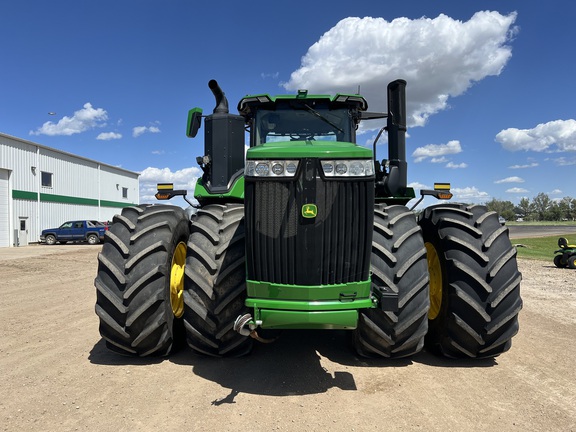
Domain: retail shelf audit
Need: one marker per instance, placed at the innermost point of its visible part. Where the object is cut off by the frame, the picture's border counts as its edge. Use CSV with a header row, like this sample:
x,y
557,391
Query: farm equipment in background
x,y
306,230
567,257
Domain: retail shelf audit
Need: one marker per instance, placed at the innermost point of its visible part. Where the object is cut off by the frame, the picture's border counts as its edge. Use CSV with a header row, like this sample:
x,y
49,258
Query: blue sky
x,y
491,89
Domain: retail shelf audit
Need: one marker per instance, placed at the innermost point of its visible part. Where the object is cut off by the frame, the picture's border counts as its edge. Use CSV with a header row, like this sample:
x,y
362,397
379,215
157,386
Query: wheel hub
x,y
435,272
177,280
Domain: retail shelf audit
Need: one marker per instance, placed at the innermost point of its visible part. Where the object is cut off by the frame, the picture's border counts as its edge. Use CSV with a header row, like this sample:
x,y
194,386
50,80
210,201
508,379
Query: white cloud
x,y
139,130
435,151
510,180
439,58
182,179
468,194
558,133
556,192
517,190
105,136
456,166
274,75
82,120
530,165
417,185
441,159
158,152
562,161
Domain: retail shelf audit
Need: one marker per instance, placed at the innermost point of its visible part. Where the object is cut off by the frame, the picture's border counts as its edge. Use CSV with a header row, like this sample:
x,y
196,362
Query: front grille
x,y
284,247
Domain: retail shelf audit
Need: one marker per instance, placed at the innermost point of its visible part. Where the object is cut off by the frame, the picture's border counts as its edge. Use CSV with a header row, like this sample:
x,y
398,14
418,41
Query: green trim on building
x,y
104,203
17,194
68,199
64,199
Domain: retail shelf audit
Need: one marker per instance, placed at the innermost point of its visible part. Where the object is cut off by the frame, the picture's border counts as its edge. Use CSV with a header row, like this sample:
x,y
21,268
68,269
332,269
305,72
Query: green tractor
x,y
567,257
306,230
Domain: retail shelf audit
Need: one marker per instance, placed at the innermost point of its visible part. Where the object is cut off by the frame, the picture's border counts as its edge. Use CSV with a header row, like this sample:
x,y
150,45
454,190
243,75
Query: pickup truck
x,y
79,230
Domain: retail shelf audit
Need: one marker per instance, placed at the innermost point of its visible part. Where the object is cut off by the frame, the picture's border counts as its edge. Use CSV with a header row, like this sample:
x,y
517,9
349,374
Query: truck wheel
x,y
474,281
399,262
93,239
50,239
559,262
140,280
215,281
572,262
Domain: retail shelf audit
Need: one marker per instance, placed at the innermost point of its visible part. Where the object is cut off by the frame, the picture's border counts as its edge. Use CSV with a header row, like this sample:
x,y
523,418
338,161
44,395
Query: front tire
x,y
138,270
93,239
475,282
215,281
50,240
399,262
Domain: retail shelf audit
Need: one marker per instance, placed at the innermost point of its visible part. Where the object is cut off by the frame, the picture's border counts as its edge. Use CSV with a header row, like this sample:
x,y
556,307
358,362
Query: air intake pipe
x,y
221,101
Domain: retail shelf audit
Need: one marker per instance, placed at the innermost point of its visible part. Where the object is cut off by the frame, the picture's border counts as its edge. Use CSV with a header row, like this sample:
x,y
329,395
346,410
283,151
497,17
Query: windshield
x,y
303,123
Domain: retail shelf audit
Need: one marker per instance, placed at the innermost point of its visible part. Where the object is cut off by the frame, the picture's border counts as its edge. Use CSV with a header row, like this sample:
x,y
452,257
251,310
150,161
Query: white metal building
x,y
41,187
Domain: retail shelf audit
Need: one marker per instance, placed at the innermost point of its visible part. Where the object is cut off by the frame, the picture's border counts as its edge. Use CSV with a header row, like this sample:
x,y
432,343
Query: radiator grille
x,y
286,248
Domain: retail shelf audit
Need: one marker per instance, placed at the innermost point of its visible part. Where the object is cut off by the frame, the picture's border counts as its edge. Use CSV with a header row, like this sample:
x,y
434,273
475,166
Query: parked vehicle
x,y
77,231
567,254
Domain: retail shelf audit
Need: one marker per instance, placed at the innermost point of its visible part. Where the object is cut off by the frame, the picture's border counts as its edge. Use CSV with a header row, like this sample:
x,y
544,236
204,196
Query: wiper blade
x,y
321,117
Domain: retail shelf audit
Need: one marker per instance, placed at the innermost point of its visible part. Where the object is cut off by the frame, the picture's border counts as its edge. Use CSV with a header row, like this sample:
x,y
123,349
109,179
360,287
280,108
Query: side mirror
x,y
194,121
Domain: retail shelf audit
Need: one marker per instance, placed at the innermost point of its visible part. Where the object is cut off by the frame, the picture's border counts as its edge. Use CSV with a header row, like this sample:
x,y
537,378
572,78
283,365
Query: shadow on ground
x,y
292,365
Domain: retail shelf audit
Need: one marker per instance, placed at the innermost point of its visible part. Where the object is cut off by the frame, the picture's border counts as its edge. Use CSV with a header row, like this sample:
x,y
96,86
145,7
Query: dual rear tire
x,y
454,270
457,280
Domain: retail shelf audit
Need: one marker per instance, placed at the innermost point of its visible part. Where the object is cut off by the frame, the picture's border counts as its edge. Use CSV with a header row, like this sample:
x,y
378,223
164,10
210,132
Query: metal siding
x,y
4,209
19,157
73,176
109,178
70,177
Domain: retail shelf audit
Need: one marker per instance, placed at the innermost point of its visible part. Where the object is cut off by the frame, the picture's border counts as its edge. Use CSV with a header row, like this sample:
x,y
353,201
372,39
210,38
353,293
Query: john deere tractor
x,y
306,230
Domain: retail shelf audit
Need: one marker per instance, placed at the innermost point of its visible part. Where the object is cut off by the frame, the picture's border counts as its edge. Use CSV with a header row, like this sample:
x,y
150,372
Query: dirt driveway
x,y
58,376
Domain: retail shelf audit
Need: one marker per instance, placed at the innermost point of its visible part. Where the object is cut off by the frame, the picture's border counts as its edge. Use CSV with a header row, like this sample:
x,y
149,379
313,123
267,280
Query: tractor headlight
x,y
348,168
266,168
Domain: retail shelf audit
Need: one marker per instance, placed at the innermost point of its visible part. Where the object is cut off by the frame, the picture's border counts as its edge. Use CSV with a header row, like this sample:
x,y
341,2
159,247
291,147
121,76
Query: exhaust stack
x,y
397,178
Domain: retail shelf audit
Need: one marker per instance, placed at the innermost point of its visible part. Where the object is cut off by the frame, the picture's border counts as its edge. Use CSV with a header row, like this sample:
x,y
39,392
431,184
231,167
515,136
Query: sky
x,y
490,84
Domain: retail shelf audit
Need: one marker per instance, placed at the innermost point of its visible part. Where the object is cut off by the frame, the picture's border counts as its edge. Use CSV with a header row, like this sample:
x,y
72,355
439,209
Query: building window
x,y
46,179
124,192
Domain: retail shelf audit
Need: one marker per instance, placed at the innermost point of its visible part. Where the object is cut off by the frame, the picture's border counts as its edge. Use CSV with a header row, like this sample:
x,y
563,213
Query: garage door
x,y
4,221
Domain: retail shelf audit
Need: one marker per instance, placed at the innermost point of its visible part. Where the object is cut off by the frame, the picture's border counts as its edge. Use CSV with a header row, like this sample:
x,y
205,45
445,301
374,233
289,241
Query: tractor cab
x,y
302,117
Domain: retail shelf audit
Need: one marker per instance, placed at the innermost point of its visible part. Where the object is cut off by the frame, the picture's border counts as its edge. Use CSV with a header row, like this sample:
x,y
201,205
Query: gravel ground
x,y
58,376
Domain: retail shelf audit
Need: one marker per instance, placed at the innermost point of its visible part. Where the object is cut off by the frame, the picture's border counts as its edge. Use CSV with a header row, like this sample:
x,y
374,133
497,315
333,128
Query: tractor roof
x,y
250,103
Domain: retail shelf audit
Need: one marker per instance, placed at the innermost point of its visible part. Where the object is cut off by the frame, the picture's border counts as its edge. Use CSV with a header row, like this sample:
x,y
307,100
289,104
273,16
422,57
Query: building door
x,y
23,232
4,209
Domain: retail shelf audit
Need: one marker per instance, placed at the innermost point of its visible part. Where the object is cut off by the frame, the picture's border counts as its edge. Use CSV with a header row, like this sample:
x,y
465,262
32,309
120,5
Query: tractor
x,y
567,254
306,229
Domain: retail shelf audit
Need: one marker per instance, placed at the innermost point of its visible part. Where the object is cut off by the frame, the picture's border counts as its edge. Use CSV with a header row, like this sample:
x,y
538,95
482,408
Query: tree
x,y
503,208
524,209
541,203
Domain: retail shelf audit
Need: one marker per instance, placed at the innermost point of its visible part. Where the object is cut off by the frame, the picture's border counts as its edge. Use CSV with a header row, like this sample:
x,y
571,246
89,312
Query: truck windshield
x,y
303,123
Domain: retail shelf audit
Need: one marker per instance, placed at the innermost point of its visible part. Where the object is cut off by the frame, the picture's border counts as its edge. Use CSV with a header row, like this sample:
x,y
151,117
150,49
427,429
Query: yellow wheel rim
x,y
435,272
177,280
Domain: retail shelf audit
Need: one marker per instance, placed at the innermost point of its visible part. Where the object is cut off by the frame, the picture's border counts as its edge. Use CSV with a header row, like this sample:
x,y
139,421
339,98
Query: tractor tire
x,y
140,280
215,281
399,262
474,281
559,262
571,262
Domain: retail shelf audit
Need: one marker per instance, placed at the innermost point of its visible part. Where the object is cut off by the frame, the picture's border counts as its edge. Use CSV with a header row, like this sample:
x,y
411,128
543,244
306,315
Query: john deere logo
x,y
309,211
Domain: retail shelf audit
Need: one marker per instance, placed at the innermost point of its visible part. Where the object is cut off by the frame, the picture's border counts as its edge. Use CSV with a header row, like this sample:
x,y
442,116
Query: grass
x,y
542,223
539,248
